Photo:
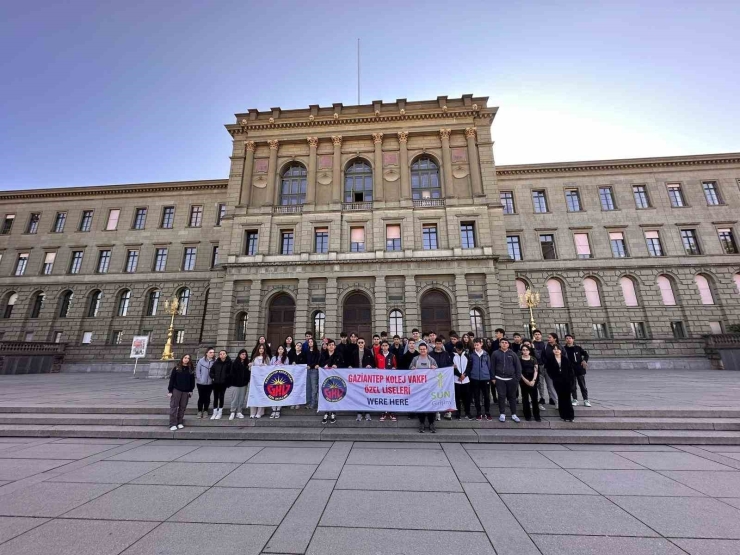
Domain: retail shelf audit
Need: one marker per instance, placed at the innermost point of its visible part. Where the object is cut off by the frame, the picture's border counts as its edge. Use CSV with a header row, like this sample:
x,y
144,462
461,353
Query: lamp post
x,y
170,306
530,299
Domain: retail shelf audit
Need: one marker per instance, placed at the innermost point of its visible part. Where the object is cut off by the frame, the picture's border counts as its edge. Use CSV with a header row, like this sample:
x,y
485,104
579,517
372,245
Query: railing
x,y
723,341
32,347
350,206
290,209
429,202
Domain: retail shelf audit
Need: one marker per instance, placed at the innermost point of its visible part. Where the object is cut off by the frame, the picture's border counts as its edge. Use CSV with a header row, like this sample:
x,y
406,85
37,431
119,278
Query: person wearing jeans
x,y
540,353
507,371
480,378
312,376
203,381
239,380
220,375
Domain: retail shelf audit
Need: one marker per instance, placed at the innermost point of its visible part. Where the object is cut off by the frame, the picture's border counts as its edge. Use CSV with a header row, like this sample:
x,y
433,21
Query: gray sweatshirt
x,y
505,365
203,371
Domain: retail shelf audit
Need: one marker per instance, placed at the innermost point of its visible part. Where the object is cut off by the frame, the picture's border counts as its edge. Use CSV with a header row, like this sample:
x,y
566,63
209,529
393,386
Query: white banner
x,y
368,390
277,386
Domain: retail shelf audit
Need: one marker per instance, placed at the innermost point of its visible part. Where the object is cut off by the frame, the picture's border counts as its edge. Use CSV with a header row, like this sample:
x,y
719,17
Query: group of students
x,y
485,369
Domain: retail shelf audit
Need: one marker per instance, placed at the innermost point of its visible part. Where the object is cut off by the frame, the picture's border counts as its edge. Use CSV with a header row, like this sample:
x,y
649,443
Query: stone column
x,y
246,190
272,193
255,322
495,316
475,177
403,137
313,143
447,184
336,185
381,305
411,314
226,314
378,193
462,305
332,310
301,309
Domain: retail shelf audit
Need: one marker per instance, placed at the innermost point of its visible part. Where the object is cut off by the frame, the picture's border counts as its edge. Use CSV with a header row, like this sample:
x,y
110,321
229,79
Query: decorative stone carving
x,y
403,136
244,122
311,117
250,145
313,142
403,112
324,177
475,106
470,132
260,181
460,171
274,143
272,120
444,133
336,116
337,139
377,113
378,138
391,174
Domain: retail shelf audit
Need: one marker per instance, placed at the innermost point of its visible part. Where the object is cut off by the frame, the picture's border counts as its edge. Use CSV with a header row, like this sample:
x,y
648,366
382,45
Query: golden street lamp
x,y
530,299
171,307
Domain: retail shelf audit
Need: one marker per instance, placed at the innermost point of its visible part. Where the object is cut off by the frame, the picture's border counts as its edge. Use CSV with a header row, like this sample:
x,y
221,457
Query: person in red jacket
x,y
385,360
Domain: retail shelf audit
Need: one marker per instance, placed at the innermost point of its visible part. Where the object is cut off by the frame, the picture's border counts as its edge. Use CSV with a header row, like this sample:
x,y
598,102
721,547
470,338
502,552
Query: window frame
x,y
554,245
152,302
356,246
187,255
730,232
7,228
650,246
75,269
638,330
86,224
641,194
506,202
612,198
321,240
163,217
569,191
395,323
351,177
678,329
214,256
518,244
124,303
395,244
715,192
32,227
300,179
535,202
132,261
580,256
429,237
618,250
248,235
157,252
135,225
21,264
678,188
422,167
48,267
287,242
695,237
195,216
220,213
108,220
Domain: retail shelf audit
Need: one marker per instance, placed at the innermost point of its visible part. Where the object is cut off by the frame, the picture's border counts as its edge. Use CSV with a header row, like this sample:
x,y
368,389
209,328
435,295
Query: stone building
x,y
386,216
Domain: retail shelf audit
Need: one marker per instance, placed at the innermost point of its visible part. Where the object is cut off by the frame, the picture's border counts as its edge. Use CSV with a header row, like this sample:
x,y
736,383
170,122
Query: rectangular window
x,y
654,246
429,237
321,240
116,337
214,256
132,261
606,196
20,265
48,266
196,216
251,242
641,196
160,259
179,336
75,263
86,220
507,201
678,329
59,222
357,239
690,242
547,243
168,217
220,213
727,240
600,331
638,330
393,237
573,200
87,337
467,235
140,218
7,224
715,328
539,198
33,223
619,247
583,247
562,330
514,247
58,336
103,262
676,195
711,193
188,259
286,242
113,216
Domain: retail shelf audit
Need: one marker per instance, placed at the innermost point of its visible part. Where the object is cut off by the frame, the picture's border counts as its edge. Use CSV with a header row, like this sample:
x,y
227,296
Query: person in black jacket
x,y
360,357
578,358
289,349
560,370
331,358
180,389
443,360
220,376
313,354
239,375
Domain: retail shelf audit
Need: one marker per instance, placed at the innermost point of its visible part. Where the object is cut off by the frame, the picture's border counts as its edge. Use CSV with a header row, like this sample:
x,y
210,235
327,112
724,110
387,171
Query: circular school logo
x,y
278,385
334,389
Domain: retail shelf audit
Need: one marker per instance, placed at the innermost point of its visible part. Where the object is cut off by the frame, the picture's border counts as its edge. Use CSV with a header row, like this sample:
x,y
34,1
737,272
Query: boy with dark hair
x,y
450,345
507,371
331,358
376,344
423,360
480,378
498,335
443,360
517,343
460,362
579,360
415,336
545,380
385,360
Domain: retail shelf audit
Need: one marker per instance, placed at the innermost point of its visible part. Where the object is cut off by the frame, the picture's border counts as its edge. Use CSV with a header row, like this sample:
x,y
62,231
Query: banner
x,y
277,386
370,390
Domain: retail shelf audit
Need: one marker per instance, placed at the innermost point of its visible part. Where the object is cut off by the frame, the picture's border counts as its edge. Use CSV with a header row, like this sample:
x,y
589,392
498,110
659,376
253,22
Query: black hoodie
x,y
220,371
240,373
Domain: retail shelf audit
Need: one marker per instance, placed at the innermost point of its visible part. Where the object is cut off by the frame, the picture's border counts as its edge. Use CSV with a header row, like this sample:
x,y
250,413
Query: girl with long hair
x,y
180,389
260,359
281,357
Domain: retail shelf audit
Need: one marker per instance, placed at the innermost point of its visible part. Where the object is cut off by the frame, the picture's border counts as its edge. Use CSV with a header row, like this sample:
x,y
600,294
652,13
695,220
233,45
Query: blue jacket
x,y
480,366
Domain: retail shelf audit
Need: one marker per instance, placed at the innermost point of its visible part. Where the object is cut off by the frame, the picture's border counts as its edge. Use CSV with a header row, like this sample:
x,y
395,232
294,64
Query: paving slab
x,y
603,460
674,461
398,478
684,517
17,469
402,510
734,501
516,446
72,537
720,449
93,441
510,459
399,445
712,456
731,455
11,526
192,538
12,446
397,457
464,467
634,482
714,484
154,453
708,547
197,442
55,451
342,541
535,480
107,472
239,506
187,474
290,455
278,476
50,499
332,464
574,514
256,442
138,502
220,454
617,447
590,545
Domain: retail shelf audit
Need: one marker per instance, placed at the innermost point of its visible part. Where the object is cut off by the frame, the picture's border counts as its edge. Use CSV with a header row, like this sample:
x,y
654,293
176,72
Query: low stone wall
x,y
31,357
662,363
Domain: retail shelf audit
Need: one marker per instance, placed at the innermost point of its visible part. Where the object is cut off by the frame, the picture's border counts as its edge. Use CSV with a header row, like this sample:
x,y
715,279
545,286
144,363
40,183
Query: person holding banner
x,y
460,362
423,360
262,341
180,389
312,375
443,360
260,359
220,375
239,380
203,381
480,378
330,359
361,357
385,360
280,358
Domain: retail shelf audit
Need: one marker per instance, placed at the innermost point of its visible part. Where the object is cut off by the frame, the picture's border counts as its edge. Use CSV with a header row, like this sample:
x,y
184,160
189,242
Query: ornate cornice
x,y
105,190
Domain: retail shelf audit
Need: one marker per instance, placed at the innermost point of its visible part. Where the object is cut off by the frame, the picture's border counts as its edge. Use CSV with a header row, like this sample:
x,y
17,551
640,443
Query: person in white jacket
x,y
462,381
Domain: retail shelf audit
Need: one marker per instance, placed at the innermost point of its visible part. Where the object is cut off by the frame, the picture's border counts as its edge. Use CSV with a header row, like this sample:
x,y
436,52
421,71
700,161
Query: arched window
x,y
65,304
555,293
737,282
94,307
241,326
395,325
38,304
319,323
152,302
628,291
591,287
705,291
123,301
521,289
665,284
293,185
12,299
358,182
183,301
476,322
425,179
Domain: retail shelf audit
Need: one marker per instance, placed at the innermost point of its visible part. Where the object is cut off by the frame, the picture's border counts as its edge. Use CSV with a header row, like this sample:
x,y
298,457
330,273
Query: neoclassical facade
x,y
386,216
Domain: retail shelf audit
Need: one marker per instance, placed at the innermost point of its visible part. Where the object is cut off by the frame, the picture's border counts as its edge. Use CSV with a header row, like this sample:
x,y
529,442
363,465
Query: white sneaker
x,y
515,418
439,417
574,402
218,414
359,417
587,403
277,414
215,412
258,415
502,418
173,428
367,417
232,416
239,415
180,426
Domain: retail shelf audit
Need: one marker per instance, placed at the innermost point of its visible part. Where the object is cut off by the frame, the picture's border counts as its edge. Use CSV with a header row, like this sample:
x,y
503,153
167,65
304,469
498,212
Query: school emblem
x,y
278,385
334,389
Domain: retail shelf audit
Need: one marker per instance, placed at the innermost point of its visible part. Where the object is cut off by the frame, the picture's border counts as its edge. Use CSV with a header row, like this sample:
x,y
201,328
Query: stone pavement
x,y
111,496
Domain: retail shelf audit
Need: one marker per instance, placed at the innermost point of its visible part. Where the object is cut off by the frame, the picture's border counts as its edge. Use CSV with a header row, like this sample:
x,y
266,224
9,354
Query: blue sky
x,y
138,91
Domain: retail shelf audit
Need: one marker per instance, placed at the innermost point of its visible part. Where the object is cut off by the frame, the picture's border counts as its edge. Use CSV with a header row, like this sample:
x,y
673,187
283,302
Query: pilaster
x,y
272,193
403,137
246,189
381,305
301,309
336,185
495,316
313,143
225,313
255,325
462,304
332,310
475,177
378,192
447,183
411,315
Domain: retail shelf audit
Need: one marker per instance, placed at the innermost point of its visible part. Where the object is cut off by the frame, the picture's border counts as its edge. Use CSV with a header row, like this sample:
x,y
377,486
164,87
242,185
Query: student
x,y
432,339
203,381
467,344
383,336
397,348
415,336
384,360
261,359
443,360
239,380
529,384
309,335
312,377
290,349
578,358
507,371
180,389
280,358
331,358
300,354
376,345
460,362
344,346
561,371
540,352
496,343
516,345
261,341
220,375
480,378
423,360
450,345
408,356
362,357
